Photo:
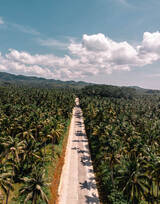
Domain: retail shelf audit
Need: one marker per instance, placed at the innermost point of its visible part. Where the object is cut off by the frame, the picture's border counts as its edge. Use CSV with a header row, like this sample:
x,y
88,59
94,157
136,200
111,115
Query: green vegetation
x,y
108,91
7,79
33,122
122,124
124,135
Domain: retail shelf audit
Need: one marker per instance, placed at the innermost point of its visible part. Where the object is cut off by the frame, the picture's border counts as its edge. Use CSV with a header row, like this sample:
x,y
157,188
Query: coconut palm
x,y
33,187
5,180
156,177
133,182
14,146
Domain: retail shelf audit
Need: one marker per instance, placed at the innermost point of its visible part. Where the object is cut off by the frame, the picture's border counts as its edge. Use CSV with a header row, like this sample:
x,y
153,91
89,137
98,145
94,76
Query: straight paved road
x,y
77,185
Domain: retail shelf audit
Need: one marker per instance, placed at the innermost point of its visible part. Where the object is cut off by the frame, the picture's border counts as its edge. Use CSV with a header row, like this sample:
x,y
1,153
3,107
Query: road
x,y
77,184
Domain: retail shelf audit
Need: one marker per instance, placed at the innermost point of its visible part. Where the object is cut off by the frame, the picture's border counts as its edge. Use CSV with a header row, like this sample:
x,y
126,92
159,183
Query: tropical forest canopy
x,y
122,125
32,123
123,128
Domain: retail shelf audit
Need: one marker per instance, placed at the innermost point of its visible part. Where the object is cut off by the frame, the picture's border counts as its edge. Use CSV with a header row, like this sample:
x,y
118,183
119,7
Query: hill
x,y
7,79
12,79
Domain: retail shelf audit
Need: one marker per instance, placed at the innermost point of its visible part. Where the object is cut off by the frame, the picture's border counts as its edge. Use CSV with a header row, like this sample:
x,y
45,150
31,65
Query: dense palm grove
x,y
32,121
124,136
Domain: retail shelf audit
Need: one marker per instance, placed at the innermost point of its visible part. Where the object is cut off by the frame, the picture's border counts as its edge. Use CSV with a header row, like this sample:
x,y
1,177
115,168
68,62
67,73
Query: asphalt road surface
x,y
77,184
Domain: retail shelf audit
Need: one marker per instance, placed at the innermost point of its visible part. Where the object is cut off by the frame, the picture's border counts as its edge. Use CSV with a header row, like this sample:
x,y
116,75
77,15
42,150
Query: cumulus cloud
x,y
151,42
111,55
1,21
49,66
95,54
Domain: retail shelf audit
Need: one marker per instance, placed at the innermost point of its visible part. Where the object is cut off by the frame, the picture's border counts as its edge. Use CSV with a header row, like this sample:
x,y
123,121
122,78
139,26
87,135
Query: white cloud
x,y
151,42
108,55
24,29
124,3
104,54
95,54
49,66
153,75
1,21
53,43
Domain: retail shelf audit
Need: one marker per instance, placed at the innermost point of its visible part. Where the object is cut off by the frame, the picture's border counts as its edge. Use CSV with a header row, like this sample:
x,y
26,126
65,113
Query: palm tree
x,y
57,131
112,158
5,181
33,187
133,182
14,146
150,166
156,176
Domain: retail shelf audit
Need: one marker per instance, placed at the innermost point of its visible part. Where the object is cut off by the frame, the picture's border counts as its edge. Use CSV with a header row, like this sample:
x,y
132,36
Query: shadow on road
x,y
88,185
87,146
92,199
86,161
80,134
77,115
79,123
90,171
83,151
79,141
75,148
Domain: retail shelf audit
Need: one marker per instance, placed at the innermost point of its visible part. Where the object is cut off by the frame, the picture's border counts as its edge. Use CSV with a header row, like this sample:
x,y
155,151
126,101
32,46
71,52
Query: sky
x,y
113,42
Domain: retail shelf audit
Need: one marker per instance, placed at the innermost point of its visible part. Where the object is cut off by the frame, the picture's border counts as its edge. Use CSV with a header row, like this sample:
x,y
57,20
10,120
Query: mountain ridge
x,y
34,81
7,78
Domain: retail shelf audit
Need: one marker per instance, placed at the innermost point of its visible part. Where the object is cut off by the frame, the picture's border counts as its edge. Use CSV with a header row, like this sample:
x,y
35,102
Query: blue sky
x,y
103,41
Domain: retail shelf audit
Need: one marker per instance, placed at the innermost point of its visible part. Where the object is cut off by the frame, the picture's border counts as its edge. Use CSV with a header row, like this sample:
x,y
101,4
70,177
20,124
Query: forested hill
x,y
109,91
115,91
11,79
86,88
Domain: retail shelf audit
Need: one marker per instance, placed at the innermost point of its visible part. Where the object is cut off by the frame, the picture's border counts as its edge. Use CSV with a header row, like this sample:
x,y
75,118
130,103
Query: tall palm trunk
x,y
152,201
7,196
53,143
44,156
157,191
34,199
112,170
